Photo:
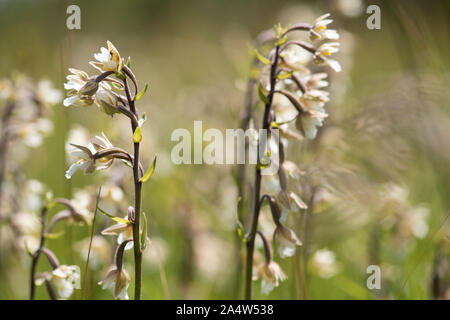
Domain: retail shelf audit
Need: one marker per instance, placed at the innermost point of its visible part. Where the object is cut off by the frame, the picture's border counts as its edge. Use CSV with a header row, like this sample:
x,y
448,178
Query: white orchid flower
x,y
287,241
118,280
75,82
108,59
123,231
85,156
320,31
271,275
66,279
323,52
308,122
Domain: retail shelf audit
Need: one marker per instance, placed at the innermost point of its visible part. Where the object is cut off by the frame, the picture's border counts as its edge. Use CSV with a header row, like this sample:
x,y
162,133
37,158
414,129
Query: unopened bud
x,y
89,88
131,214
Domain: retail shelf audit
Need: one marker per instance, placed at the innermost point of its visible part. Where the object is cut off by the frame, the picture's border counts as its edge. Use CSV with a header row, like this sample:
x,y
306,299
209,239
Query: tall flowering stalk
x,y
105,91
290,93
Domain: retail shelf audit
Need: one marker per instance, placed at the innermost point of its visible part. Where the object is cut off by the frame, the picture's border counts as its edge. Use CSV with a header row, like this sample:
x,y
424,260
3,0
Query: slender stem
x,y
257,189
137,202
50,290
262,38
37,254
90,243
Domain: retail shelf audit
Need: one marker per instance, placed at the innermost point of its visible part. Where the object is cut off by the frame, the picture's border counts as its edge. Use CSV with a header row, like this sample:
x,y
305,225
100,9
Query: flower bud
x,y
89,88
131,214
106,100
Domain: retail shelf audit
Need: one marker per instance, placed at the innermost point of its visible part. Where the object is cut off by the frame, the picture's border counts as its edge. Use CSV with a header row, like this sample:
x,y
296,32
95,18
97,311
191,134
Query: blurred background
x,y
379,167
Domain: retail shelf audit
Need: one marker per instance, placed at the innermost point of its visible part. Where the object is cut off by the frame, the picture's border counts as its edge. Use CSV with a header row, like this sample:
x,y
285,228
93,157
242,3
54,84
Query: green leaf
x,y
116,219
137,136
265,162
274,124
127,163
281,41
240,226
28,250
285,75
117,86
140,94
128,62
149,172
262,95
261,57
144,231
54,235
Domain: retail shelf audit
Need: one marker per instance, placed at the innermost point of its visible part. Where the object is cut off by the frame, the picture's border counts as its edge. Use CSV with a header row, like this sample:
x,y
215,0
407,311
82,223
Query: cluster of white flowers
x,y
292,93
84,90
410,221
26,107
106,91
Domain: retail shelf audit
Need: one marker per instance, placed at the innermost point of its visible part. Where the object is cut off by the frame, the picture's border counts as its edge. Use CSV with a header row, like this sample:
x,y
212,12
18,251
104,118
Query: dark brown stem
x,y
257,188
119,254
137,198
58,217
103,75
267,248
297,27
50,257
36,255
50,290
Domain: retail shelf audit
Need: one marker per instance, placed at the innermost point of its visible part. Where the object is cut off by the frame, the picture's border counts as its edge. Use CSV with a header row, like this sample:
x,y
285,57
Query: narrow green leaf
x,y
240,226
140,94
137,136
116,219
274,124
285,75
144,231
261,57
92,227
54,235
149,172
117,86
281,41
28,250
262,95
129,62
127,163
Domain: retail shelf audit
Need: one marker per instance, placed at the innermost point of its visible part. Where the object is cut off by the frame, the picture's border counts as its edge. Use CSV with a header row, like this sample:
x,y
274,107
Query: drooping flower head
x,y
118,280
271,275
84,91
84,156
75,82
287,241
